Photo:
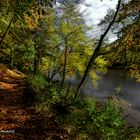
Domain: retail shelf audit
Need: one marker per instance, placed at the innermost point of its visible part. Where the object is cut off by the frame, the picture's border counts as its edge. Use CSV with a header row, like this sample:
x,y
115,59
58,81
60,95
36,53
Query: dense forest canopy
x,y
39,40
35,36
126,50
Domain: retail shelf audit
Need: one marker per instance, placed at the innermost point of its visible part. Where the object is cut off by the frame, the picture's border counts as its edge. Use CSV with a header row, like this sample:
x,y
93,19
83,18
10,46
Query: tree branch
x,y
7,30
95,53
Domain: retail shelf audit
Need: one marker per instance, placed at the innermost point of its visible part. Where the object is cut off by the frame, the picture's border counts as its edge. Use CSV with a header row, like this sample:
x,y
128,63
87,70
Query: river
x,y
113,83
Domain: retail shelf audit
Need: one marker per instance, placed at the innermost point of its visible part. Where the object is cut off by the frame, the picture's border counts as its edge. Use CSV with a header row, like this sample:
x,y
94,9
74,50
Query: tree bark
x,y
7,30
54,73
36,60
65,54
50,63
35,65
95,53
65,62
12,58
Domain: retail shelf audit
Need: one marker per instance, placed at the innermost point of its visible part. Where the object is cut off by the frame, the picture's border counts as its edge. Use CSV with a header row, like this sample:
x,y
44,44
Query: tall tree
x,y
72,30
128,42
125,50
96,51
22,22
15,9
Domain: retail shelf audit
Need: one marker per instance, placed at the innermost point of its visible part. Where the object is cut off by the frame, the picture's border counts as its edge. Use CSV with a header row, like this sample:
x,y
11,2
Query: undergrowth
x,y
84,118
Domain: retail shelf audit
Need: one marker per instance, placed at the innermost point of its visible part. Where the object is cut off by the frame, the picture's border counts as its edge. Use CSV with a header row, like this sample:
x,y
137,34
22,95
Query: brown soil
x,y
19,122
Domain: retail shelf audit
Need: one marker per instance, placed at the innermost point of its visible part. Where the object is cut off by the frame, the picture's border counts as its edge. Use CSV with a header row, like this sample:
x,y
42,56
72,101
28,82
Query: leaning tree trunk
x,y
95,54
7,29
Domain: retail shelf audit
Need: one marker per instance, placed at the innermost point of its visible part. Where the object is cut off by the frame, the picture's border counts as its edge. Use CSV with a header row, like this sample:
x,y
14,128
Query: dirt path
x,y
18,122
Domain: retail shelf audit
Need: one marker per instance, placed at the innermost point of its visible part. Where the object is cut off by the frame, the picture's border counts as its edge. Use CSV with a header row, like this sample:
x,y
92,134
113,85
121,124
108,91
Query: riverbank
x,y
57,116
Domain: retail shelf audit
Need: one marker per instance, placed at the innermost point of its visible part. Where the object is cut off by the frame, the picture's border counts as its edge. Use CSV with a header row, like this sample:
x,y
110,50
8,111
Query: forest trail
x,y
19,122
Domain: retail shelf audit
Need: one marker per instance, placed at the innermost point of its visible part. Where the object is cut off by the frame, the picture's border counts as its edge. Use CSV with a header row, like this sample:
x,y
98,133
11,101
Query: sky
x,y
93,11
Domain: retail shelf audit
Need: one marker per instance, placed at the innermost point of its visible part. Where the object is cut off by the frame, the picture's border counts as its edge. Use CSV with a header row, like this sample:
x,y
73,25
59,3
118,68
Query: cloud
x,y
95,10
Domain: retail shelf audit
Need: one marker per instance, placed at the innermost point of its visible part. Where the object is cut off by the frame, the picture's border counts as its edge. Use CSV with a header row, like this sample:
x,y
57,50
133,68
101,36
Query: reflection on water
x,y
115,83
110,84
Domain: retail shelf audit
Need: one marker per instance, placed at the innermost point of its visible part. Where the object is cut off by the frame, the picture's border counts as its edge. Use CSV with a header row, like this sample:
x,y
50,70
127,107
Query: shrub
x,y
83,117
88,118
35,88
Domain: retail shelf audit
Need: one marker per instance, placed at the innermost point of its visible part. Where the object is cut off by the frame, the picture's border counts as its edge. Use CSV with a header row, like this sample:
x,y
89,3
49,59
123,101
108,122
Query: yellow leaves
x,y
64,28
32,20
94,77
76,63
101,62
80,67
88,51
5,21
31,23
45,64
130,37
135,72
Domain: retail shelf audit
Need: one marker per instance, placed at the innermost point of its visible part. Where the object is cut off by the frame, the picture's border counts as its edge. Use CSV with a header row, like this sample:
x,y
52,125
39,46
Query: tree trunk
x,y
12,58
7,30
95,53
65,63
36,61
50,63
54,73
35,65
